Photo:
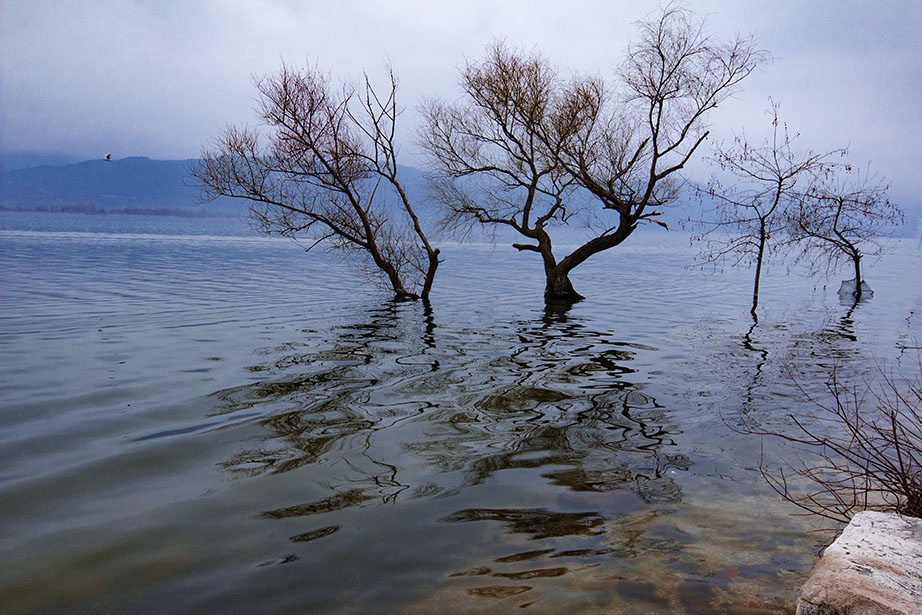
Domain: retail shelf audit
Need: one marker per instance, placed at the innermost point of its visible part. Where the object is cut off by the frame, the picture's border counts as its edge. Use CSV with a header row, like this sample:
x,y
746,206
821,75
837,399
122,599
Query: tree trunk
x,y
430,273
400,293
759,256
856,259
559,288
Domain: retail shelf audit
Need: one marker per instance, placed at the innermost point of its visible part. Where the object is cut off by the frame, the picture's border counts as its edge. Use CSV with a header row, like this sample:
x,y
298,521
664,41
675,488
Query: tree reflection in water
x,y
542,430
528,394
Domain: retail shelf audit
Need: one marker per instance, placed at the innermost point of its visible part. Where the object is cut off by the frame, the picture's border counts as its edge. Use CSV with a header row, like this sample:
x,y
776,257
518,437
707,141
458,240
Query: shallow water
x,y
195,419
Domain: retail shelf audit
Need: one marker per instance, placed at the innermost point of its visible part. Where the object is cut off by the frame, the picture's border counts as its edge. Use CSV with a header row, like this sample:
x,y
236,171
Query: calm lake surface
x,y
195,419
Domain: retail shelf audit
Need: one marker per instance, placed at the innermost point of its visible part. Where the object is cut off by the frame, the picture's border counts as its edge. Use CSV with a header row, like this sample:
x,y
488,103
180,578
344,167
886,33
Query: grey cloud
x,y
160,79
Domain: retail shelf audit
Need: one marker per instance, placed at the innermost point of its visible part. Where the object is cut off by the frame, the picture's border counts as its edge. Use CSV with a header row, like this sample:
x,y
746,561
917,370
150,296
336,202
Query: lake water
x,y
196,419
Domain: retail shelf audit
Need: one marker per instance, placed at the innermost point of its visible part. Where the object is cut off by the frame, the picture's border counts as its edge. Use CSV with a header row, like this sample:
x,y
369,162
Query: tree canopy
x,y
753,191
323,166
529,150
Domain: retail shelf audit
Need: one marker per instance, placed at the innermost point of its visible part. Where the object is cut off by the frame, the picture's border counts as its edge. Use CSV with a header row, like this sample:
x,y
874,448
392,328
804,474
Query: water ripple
x,y
230,425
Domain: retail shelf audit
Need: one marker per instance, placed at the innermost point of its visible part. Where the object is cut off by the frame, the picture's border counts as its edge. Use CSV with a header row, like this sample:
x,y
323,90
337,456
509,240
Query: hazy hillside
x,y
129,183
141,183
10,161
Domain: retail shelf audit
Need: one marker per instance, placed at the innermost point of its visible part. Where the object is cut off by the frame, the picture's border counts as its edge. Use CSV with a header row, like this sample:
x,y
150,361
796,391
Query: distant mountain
x,y
136,183
142,184
139,183
10,161
129,183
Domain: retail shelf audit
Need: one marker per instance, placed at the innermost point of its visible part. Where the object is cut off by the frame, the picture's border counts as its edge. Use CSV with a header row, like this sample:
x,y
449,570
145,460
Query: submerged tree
x,y
843,217
753,197
528,151
629,154
863,451
494,166
323,167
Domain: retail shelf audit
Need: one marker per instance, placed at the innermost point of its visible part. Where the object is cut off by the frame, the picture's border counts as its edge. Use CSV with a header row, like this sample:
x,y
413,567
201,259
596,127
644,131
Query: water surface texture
x,y
196,419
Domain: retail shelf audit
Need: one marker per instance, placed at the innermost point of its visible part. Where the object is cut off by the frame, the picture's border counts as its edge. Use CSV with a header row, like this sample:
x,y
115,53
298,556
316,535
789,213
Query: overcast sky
x,y
161,78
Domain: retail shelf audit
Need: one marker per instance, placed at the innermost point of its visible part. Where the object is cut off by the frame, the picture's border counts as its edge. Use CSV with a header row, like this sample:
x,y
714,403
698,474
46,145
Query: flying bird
x,y
108,157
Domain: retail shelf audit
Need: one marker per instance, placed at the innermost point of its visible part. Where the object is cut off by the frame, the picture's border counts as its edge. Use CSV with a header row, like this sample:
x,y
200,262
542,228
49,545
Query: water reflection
x,y
536,450
846,326
833,346
474,455
346,499
556,311
751,344
399,408
779,366
536,523
558,388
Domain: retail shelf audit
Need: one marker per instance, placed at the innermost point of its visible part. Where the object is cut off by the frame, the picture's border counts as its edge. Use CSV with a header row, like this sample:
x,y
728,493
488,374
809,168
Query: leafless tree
x,y
863,452
843,217
752,195
494,167
629,155
528,150
323,167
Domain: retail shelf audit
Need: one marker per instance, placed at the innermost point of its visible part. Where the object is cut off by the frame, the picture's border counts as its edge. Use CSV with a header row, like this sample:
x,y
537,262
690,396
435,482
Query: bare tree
x,y
854,457
843,217
629,154
527,151
752,196
323,166
495,169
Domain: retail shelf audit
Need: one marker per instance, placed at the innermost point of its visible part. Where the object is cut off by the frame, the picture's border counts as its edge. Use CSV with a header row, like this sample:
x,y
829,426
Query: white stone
x,y
873,568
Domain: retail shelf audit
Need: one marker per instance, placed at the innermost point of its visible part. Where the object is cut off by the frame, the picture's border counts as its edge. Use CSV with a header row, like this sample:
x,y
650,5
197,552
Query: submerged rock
x,y
873,568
